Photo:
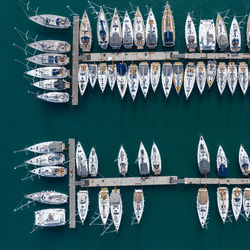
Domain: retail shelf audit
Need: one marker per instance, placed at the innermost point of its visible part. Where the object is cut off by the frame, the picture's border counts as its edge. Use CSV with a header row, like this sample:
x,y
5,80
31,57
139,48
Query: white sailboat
x,y
138,204
222,77
222,162
139,30
190,34
144,78
244,161
155,74
248,32
122,80
246,201
52,84
49,72
54,97
127,32
85,33
235,36
178,76
221,33
83,204
50,171
103,205
122,161
49,159
155,160
92,73
207,39
81,161
167,77
236,202
49,59
202,205
189,79
51,46
133,80
83,77
102,30
203,157
232,77
243,76
112,75
116,208
143,161
151,31
211,72
223,202
115,39
102,76
93,163
201,76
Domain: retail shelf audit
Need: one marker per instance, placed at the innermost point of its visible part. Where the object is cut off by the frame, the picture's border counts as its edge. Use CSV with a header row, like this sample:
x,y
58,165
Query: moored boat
x,y
178,76
85,33
49,72
203,157
112,75
82,204
244,161
49,59
49,171
103,205
190,34
243,76
232,77
155,160
93,163
155,74
92,73
122,161
151,31
116,208
52,84
236,202
144,77
81,161
133,80
122,81
223,202
102,30
201,76
222,162
54,97
207,39
51,46
115,39
167,77
248,32
202,205
143,161
138,204
47,159
222,77
127,32
102,76
211,72
235,36
83,77
246,202
221,33
189,79
139,30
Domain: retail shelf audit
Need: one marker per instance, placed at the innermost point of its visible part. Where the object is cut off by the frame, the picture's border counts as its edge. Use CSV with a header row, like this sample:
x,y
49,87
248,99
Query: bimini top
x,y
121,69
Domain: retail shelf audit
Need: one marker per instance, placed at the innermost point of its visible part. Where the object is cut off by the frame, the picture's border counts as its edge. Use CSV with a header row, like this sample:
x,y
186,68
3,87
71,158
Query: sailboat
x,y
112,75
190,34
235,36
232,77
202,205
85,33
102,76
244,161
49,72
189,79
246,202
223,202
102,30
211,72
155,73
221,33
236,202
139,30
243,76
201,76
127,32
116,208
143,161
92,73
151,31
138,204
103,205
222,163
51,46
49,171
167,78
207,39
115,39
52,84
248,32
54,97
144,77
122,161
48,159
93,163
221,77
83,204
155,160
168,27
122,81
83,77
178,76
81,161
203,157
133,80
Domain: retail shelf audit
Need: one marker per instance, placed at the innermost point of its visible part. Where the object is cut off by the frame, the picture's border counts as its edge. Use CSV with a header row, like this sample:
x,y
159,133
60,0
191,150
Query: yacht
x,y
48,197
211,72
49,59
138,204
51,21
201,76
202,205
127,32
48,159
232,77
83,204
178,76
102,76
112,75
189,79
92,73
133,80
103,204
221,33
190,34
83,77
81,161
54,97
93,163
85,33
203,157
50,171
102,30
235,36
222,163
49,72
243,161
139,30
207,35
167,78
52,84
116,208
155,159
243,76
122,81
246,201
155,74
122,161
115,39
223,202
151,31
144,77
51,46
248,32
236,202
51,217
143,161
168,27
222,77
47,147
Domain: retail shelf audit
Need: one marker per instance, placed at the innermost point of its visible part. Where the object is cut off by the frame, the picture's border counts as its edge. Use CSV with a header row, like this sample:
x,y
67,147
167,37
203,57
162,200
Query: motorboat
x,y
202,205
246,201
85,33
144,78
92,73
243,76
222,162
54,97
223,202
232,77
93,163
236,202
102,76
82,204
50,171
151,31
138,204
178,76
49,59
189,79
143,161
127,32
211,72
139,30
83,77
104,205
203,157
190,34
155,74
48,159
133,80
200,76
102,30
207,39
52,84
167,77
155,159
235,36
49,72
122,80
81,161
115,39
116,208
112,75
244,161
221,33
122,162
51,46
222,77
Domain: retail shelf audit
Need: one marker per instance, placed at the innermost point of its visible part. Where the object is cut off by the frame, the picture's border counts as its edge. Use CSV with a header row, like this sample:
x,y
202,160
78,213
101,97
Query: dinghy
x,y
143,161
133,80
178,76
127,32
232,77
221,77
103,205
155,160
144,78
83,77
138,204
81,161
190,34
102,76
223,202
116,208
122,162
221,160
151,31
236,202
203,157
211,73
93,163
202,205
85,33
167,77
243,77
139,30
235,36
112,76
102,30
83,204
243,161
189,79
201,76
155,73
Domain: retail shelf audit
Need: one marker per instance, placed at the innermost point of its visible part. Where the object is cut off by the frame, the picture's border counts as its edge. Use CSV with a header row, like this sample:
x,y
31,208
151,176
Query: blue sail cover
x,y
121,68
168,38
223,170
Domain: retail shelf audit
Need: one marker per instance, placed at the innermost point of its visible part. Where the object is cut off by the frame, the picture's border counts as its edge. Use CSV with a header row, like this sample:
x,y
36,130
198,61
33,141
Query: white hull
x,y
144,78
47,147
189,79
133,80
54,97
85,33
83,78
221,162
223,202
93,163
122,161
112,76
139,30
138,204
201,76
116,208
178,76
235,36
243,77
207,35
246,202
104,205
51,46
52,84
203,157
143,161
122,80
202,205
232,77
115,39
102,76
49,72
81,161
221,33
167,78
151,31
155,74
102,30
155,160
48,59
190,34
222,77
236,202
127,32
211,72
244,161
49,159
50,171
82,205
92,73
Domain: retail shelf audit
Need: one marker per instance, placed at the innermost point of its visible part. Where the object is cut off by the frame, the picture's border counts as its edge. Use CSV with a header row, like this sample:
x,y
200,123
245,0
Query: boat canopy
x,y
223,170
204,166
168,37
121,68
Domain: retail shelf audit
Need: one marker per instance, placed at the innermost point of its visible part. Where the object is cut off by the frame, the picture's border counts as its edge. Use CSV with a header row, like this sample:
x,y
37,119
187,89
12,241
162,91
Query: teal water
x,y
104,121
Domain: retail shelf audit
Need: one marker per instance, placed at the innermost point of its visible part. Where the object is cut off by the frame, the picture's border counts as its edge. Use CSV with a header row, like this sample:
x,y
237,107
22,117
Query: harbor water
x,y
170,219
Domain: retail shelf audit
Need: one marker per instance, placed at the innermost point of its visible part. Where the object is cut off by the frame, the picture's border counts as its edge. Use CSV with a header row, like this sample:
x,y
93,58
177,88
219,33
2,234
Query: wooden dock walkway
x,y
217,181
72,189
75,60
